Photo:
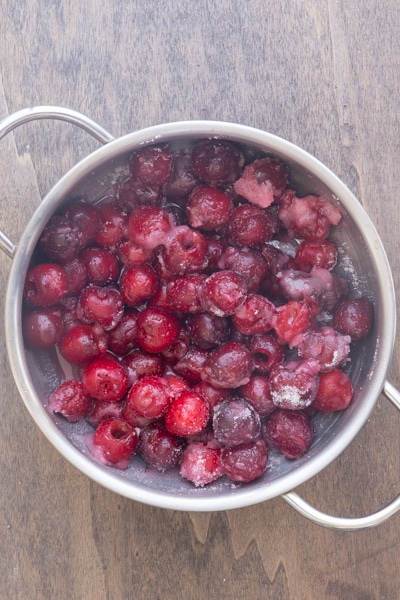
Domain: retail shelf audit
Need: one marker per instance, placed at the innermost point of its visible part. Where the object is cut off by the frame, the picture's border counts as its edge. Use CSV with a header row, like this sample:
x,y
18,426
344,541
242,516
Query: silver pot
x,y
361,254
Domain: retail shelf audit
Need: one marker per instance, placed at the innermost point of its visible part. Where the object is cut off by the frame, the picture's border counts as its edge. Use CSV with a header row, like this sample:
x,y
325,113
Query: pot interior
x,y
362,261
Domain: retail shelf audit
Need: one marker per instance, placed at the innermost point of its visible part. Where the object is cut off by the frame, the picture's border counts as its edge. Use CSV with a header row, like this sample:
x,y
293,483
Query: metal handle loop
x,y
345,523
35,113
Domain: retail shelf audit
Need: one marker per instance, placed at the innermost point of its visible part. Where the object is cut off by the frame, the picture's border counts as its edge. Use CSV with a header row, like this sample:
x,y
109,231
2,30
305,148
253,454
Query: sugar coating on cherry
x,y
199,305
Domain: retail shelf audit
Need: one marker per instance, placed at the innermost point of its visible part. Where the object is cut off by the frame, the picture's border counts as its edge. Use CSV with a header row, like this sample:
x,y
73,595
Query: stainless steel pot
x,y
361,256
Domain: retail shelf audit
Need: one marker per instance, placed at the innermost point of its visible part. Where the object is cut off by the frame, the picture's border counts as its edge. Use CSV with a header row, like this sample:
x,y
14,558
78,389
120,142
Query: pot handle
x,y
344,523
25,115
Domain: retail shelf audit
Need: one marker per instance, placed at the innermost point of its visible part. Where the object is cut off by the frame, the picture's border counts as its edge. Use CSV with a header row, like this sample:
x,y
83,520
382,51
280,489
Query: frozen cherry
x,y
316,254
288,431
116,441
183,178
257,393
42,328
102,305
212,394
201,464
326,346
335,392
77,275
235,422
83,343
101,410
101,264
246,462
188,414
130,253
60,239
150,397
262,181
185,251
123,337
217,162
152,165
45,284
157,329
228,366
85,218
134,193
105,379
190,366
113,225
254,316
178,349
247,262
223,292
159,448
183,293
70,400
294,384
266,351
309,218
293,319
137,284
139,364
207,330
209,207
250,225
148,226
353,317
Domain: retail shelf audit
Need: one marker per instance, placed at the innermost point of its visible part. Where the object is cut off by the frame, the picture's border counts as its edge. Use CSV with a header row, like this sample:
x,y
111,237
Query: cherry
x,y
42,328
188,414
133,193
217,162
113,225
117,441
255,315
61,240
294,384
335,392
309,218
326,346
137,284
101,410
157,329
247,262
130,253
258,394
245,462
150,397
77,275
209,207
212,394
70,400
101,264
183,293
201,464
250,225
185,251
228,366
316,254
353,317
83,343
178,349
235,422
123,337
139,364
152,165
288,431
190,366
159,448
183,178
292,319
148,226
266,351
45,284
85,218
102,305
262,181
223,292
105,379
207,330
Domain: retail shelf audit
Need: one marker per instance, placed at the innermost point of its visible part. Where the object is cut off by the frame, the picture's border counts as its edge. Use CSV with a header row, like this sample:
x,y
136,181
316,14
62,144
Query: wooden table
x,y
322,74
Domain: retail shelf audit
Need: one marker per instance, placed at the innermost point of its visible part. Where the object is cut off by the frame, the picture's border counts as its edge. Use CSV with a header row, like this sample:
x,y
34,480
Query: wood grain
x,y
323,74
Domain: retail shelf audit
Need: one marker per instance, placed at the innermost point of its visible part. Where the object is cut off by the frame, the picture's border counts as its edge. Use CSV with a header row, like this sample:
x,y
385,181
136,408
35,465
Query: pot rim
x,y
248,494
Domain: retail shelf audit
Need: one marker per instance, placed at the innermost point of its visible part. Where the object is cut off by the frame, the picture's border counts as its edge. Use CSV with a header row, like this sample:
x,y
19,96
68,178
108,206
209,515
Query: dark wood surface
x,y
324,74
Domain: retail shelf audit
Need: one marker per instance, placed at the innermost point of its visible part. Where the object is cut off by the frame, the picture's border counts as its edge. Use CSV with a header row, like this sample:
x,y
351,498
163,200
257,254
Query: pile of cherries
x,y
199,308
